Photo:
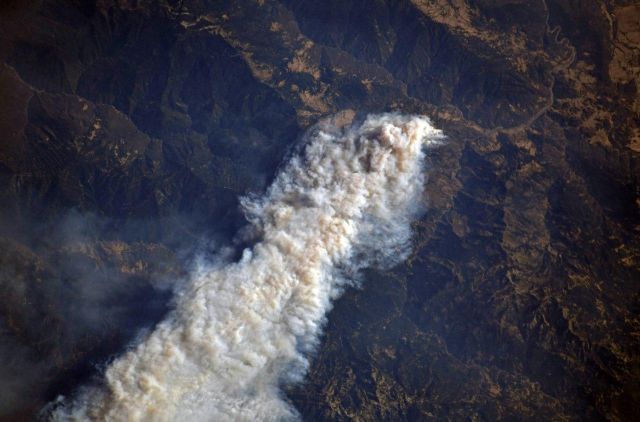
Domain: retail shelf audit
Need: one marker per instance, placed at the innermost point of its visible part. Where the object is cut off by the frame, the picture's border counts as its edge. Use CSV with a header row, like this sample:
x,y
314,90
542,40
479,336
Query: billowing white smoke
x,y
346,201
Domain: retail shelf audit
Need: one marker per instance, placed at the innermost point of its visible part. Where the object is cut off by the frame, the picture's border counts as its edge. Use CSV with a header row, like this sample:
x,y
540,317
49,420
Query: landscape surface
x,y
131,128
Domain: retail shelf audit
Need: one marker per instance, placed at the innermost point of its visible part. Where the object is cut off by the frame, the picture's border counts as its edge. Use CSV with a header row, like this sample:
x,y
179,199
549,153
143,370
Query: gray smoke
x,y
73,294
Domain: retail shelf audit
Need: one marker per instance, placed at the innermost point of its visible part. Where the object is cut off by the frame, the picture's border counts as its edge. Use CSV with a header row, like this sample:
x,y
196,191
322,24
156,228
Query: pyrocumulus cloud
x,y
343,202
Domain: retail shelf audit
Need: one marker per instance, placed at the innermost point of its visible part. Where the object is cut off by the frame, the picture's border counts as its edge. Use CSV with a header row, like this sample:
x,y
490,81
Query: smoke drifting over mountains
x,y
239,330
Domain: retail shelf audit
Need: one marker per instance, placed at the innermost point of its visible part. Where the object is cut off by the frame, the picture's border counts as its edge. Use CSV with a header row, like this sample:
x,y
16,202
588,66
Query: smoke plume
x,y
239,330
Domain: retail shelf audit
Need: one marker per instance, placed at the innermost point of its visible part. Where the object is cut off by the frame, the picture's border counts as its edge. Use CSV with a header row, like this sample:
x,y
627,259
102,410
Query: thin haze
x,y
239,330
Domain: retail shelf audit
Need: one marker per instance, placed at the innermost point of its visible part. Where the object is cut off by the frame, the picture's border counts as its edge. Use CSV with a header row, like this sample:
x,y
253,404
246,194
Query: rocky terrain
x,y
131,127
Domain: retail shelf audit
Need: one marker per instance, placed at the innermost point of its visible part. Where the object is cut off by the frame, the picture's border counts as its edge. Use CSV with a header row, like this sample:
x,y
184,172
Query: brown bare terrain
x,y
131,127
